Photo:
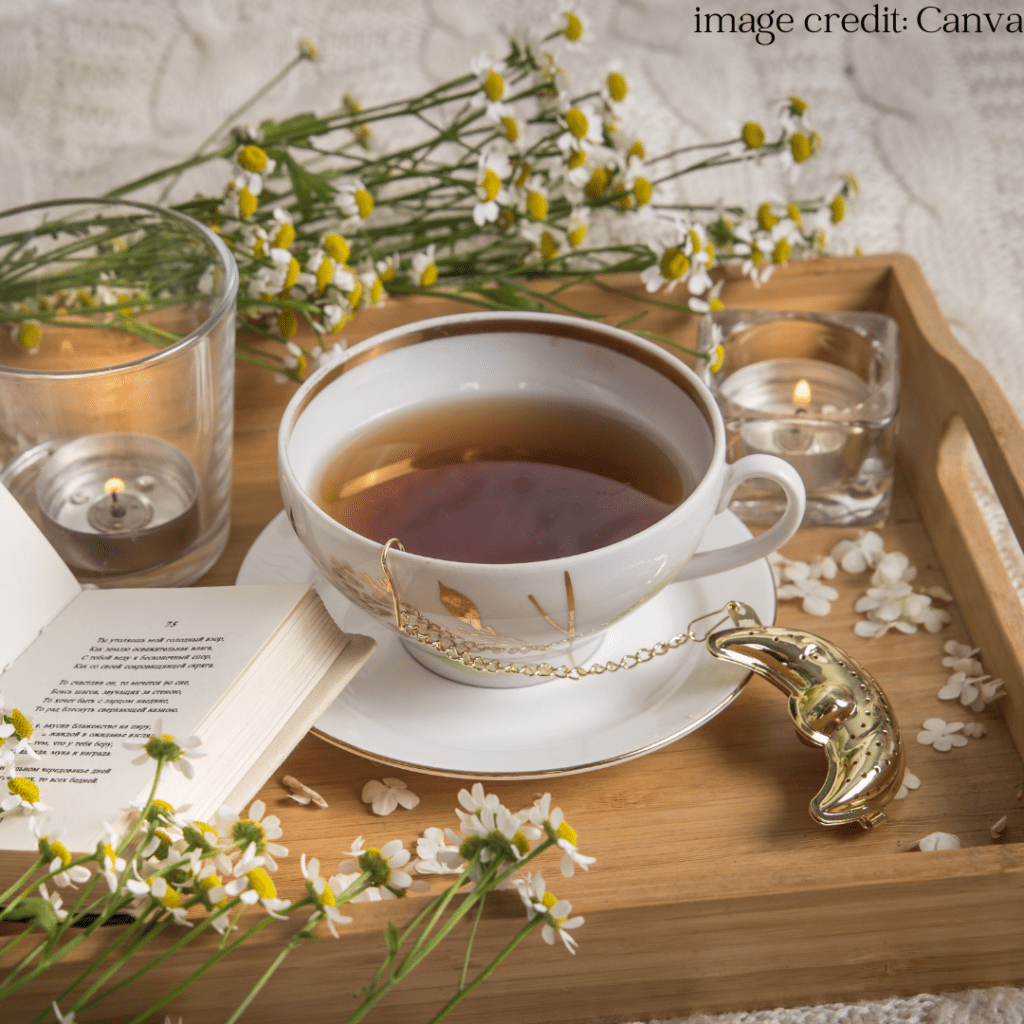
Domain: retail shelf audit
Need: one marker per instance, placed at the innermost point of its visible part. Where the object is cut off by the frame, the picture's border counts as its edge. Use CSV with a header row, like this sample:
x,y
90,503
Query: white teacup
x,y
552,611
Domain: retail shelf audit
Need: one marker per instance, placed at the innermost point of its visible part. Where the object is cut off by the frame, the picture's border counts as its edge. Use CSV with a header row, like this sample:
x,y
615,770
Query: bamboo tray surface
x,y
713,888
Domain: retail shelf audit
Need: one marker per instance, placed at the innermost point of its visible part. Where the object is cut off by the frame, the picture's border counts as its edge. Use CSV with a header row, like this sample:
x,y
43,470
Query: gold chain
x,y
408,624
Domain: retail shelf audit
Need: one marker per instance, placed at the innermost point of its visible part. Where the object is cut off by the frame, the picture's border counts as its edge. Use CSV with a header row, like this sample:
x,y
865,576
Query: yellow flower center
x,y
259,248
710,250
717,304
511,127
324,273
577,122
288,322
642,189
577,235
765,218
211,882
637,149
598,183
549,899
284,237
695,243
247,203
327,897
820,238
566,831
537,205
793,212
60,850
163,836
293,273
25,788
308,50
356,294
494,85
376,291
815,142
22,726
625,198
429,275
577,158
781,251
756,256
262,883
506,219
109,854
30,334
573,26
800,146
838,209
389,273
797,105
364,202
718,354
617,87
853,183
252,158
336,247
524,173
163,807
548,246
521,843
171,899
673,264
490,183
753,135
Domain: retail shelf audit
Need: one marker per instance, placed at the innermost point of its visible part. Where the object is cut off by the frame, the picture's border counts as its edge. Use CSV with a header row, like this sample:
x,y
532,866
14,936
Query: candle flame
x,y
115,485
802,393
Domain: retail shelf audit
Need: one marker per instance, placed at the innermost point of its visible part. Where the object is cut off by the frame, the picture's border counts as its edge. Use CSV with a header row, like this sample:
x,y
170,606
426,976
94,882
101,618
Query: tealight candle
x,y
811,408
118,503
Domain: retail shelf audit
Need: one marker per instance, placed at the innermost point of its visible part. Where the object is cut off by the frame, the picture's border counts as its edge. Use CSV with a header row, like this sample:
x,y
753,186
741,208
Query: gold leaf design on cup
x,y
462,608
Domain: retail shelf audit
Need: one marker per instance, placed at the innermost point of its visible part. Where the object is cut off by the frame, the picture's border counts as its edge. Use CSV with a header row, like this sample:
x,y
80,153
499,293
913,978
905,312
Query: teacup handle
x,y
707,563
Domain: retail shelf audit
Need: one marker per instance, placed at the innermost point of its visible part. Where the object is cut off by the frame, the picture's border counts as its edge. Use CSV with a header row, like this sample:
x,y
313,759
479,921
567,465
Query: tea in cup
x,y
544,475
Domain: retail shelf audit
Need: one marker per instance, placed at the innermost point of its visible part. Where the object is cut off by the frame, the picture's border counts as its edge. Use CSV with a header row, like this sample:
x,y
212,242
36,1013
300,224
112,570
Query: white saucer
x,y
397,712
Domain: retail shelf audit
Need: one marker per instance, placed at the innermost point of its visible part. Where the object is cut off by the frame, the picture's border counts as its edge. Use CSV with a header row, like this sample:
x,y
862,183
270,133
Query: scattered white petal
x,y
936,841
910,781
301,793
975,730
996,831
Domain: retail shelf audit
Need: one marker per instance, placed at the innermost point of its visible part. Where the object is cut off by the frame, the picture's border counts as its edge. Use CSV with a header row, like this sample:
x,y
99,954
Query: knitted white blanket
x,y
93,92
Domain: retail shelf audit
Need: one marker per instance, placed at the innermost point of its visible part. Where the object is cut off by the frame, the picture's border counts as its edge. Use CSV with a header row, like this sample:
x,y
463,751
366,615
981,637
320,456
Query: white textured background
x,y
93,92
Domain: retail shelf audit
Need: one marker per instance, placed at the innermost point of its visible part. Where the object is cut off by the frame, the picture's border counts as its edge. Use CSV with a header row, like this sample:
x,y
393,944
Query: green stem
x,y
469,943
265,977
464,990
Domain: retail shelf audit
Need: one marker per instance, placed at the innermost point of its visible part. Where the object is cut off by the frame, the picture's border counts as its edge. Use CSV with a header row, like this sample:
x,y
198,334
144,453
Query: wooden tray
x,y
713,889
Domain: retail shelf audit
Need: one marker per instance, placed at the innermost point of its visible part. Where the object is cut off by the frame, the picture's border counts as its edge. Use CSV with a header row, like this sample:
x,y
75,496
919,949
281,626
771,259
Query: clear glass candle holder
x,y
117,336
820,390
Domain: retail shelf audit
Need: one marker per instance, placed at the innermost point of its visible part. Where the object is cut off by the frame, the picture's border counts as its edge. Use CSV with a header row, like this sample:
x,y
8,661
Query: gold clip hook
x,y
396,605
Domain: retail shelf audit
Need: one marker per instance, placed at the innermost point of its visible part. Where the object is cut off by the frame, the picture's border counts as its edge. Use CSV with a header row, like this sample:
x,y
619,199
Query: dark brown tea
x,y
506,480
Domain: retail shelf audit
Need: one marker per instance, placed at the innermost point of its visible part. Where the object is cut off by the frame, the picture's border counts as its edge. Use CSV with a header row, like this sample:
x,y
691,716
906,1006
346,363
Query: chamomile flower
x,y
493,170
583,126
555,912
159,890
491,75
113,865
252,165
56,855
424,268
256,886
171,750
571,25
535,198
355,201
546,240
23,795
17,730
429,849
475,800
579,225
324,897
385,796
614,87
254,835
385,866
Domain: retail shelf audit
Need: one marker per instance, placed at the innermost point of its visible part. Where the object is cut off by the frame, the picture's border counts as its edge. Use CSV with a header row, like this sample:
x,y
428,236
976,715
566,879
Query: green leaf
x,y
391,937
306,186
35,910
297,128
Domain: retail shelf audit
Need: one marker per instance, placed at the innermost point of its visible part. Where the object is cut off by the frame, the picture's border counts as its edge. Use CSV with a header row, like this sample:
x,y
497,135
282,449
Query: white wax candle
x,y
118,503
809,408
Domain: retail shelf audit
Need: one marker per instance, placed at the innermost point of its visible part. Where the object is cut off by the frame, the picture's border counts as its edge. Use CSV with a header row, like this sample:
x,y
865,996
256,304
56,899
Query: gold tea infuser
x,y
835,703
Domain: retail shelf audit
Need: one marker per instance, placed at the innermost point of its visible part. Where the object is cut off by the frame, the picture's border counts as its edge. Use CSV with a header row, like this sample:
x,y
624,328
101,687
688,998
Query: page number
x,y
169,623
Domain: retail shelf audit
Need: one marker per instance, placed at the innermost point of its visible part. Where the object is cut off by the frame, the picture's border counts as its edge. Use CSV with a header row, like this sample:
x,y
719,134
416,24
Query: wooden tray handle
x,y
951,405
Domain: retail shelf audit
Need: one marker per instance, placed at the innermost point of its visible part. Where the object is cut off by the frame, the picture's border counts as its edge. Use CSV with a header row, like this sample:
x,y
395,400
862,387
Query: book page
x,y
35,585
103,672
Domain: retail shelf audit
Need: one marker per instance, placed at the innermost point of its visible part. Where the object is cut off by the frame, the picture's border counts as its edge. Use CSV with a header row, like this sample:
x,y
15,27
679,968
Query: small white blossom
x,y
385,796
429,847
941,735
857,556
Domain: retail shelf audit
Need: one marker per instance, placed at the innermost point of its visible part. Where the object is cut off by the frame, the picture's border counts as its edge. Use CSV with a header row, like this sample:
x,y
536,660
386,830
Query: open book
x,y
247,669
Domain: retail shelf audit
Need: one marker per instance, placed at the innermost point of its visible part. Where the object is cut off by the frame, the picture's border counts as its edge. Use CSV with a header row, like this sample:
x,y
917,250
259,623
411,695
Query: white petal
x,y
407,799
385,802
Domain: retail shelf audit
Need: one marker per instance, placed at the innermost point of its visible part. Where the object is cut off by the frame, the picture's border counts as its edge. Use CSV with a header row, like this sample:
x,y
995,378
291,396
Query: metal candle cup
x,y
118,503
